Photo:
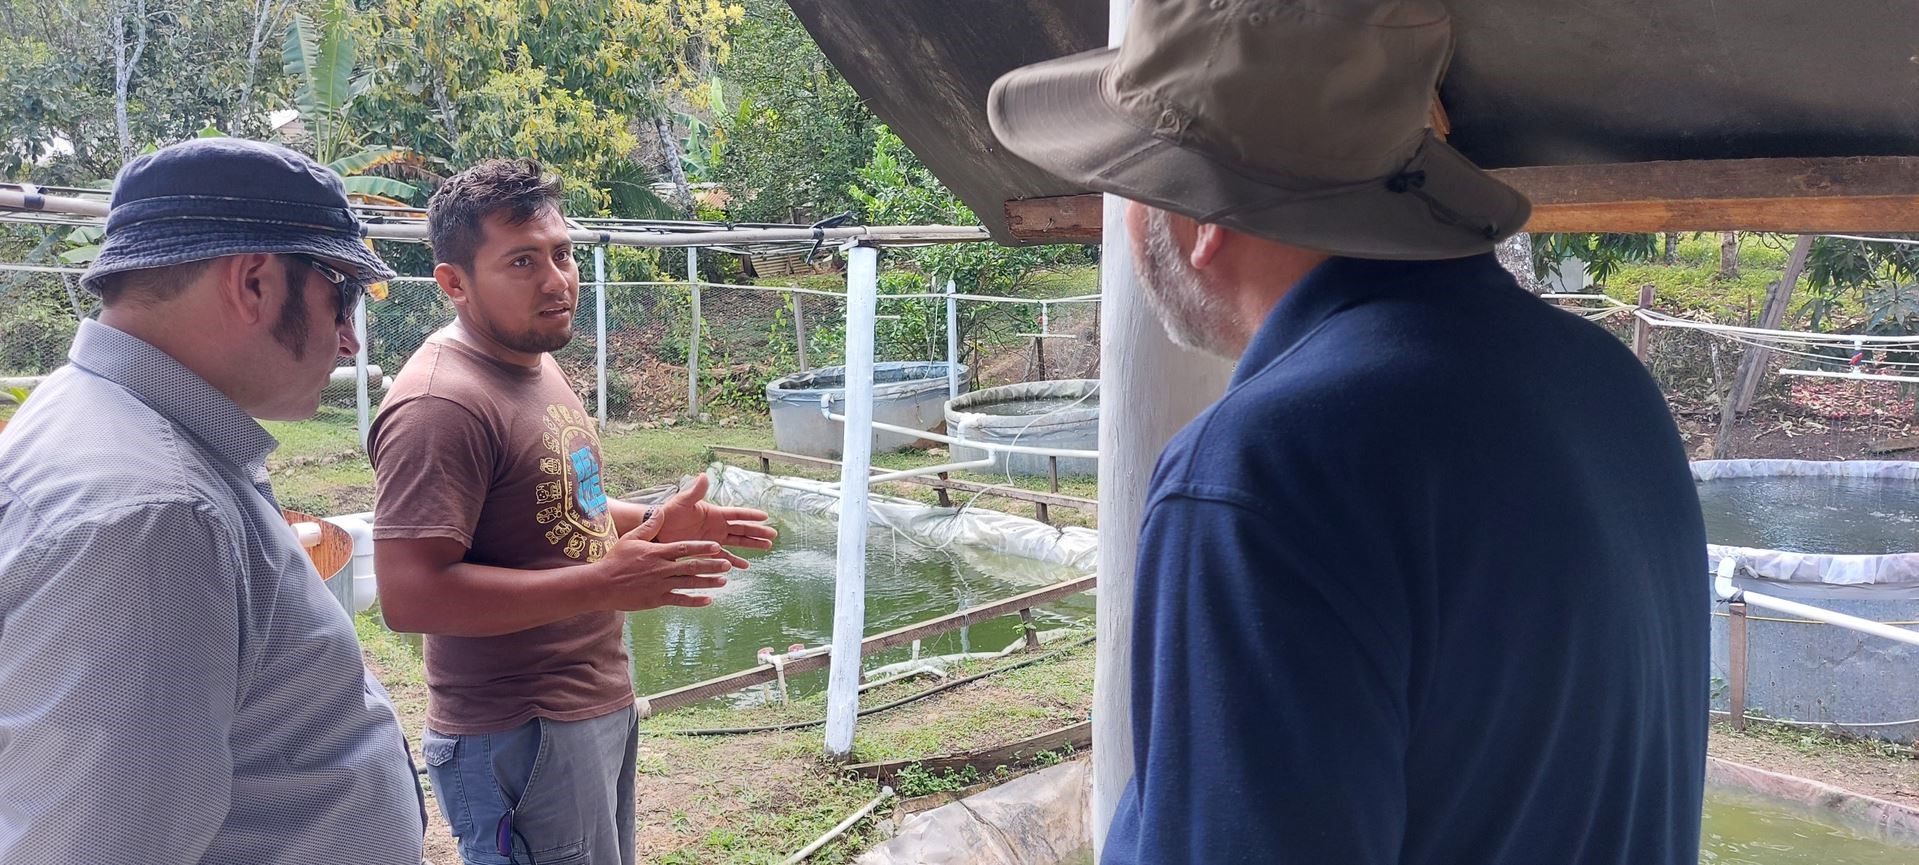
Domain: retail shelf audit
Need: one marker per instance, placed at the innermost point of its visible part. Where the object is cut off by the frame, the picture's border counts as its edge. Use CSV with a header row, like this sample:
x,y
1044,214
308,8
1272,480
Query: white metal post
x,y
1149,388
362,402
952,341
849,585
693,336
599,330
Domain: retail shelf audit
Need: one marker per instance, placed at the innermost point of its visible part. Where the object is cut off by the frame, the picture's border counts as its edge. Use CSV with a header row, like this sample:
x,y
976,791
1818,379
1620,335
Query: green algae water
x,y
786,598
1740,831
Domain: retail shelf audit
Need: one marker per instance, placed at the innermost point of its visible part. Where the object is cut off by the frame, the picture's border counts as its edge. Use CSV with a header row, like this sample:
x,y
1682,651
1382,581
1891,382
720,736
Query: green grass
x,y
785,810
1066,282
637,458
399,662
1694,285
1819,741
320,469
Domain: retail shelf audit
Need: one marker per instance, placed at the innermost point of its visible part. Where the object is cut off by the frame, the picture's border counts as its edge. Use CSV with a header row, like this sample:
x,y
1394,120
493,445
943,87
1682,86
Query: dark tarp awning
x,y
1533,83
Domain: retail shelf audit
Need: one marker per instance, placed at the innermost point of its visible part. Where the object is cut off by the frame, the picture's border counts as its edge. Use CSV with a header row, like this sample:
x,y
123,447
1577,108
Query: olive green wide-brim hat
x,y
1303,122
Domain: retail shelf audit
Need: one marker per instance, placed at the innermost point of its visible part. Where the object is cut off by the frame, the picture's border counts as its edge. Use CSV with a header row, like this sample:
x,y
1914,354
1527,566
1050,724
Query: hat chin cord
x,y
1414,183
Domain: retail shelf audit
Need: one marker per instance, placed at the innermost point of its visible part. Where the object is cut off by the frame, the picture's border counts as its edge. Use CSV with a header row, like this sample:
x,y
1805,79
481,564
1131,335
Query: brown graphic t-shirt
x,y
505,460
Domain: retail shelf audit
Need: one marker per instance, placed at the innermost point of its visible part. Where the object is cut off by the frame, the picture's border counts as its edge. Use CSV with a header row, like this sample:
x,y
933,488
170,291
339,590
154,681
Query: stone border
x,y
1882,820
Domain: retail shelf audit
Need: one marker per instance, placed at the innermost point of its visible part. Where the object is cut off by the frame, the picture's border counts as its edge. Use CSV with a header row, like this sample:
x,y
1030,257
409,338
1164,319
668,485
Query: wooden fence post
x,y
1641,330
1736,663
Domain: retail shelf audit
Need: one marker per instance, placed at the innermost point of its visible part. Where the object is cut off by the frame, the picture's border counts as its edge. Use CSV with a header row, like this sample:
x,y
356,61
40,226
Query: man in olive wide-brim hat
x,y
1425,585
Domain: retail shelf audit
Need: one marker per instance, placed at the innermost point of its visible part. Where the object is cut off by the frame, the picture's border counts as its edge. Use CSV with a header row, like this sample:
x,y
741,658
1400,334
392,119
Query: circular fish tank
x,y
1049,414
905,393
1838,535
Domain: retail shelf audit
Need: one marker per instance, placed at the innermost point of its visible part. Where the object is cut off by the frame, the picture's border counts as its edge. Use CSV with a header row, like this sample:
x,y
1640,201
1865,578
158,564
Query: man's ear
x,y
1208,241
241,282
452,280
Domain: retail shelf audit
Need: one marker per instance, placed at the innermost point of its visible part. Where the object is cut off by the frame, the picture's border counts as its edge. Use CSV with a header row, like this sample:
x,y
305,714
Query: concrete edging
x,y
1882,820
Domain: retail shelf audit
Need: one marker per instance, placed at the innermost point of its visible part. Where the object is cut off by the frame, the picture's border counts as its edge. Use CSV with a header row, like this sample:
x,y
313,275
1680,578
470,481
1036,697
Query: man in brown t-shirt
x,y
494,537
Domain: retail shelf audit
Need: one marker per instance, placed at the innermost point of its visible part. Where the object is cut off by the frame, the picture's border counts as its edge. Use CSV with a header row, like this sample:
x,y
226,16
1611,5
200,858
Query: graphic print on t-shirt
x,y
573,506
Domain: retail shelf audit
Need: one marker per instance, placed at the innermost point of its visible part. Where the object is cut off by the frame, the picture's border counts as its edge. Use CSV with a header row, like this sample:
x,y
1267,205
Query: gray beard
x,y
1193,317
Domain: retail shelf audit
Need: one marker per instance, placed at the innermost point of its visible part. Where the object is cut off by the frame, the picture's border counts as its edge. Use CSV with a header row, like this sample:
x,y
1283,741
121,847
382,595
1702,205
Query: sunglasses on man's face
x,y
349,288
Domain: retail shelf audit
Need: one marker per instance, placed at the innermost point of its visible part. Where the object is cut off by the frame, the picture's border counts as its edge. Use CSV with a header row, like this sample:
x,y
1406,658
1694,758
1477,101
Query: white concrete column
x,y
1149,389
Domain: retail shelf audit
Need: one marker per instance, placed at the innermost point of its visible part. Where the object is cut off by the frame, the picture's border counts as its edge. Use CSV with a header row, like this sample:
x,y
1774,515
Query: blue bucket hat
x,y
213,197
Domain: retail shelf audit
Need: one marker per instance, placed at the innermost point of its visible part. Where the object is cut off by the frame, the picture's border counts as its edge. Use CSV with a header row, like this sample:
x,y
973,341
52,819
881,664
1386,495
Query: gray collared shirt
x,y
176,685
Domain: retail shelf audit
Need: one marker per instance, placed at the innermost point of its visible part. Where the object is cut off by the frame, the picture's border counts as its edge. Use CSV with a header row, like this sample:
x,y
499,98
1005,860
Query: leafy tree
x,y
792,146
570,82
320,57
60,99
1881,276
895,188
1602,253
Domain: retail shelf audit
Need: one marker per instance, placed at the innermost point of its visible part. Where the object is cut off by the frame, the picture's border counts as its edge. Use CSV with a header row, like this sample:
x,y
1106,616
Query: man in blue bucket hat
x,y
176,685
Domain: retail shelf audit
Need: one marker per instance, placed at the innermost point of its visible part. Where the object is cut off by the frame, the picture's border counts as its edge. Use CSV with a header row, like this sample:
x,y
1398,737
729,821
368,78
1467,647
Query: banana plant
x,y
319,55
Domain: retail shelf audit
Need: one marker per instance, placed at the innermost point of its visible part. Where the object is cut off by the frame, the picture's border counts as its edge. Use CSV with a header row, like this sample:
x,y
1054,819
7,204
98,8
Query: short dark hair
x,y
148,285
518,188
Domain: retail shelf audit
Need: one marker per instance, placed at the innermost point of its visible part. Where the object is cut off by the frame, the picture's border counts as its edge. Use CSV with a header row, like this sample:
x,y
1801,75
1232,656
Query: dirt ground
x,y
755,798
1874,769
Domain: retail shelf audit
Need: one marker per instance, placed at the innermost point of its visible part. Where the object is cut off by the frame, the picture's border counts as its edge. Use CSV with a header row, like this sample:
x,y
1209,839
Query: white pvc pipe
x,y
599,331
693,336
1598,297
1727,591
849,584
1660,319
414,229
835,832
1857,376
952,342
362,404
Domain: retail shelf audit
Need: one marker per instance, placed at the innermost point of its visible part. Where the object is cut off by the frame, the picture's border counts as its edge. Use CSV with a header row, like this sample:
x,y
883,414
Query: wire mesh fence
x,y
742,336
747,336
39,312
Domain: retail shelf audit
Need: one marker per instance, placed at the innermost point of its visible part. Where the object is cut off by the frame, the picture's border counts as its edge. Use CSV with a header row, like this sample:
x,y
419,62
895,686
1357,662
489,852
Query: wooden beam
x,y
1078,736
1794,196
1059,219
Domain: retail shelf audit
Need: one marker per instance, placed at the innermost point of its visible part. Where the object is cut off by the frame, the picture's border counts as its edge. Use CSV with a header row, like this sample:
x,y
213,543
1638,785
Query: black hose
x,y
944,686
